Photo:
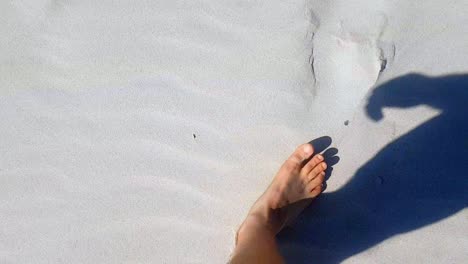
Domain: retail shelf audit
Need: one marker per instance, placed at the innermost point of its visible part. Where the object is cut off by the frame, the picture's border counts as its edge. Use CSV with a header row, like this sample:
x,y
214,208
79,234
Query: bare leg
x,y
299,178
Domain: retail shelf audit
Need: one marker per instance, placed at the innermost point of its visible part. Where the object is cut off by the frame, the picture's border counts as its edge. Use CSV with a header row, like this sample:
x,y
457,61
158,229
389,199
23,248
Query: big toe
x,y
301,154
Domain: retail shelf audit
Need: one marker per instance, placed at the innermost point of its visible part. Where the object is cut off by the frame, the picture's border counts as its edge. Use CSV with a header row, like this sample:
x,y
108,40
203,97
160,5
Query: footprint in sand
x,y
348,58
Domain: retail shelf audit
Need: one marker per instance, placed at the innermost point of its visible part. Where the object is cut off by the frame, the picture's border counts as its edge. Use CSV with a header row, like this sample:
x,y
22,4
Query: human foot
x,y
300,177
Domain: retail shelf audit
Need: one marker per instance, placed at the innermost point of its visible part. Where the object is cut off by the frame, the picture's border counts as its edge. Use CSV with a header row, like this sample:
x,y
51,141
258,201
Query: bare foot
x,y
298,178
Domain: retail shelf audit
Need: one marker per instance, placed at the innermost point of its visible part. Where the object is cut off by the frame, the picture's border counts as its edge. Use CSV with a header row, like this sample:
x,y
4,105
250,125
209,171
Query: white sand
x,y
142,131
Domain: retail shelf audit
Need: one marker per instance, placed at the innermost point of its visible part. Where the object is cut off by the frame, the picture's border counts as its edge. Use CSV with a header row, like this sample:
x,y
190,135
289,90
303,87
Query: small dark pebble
x,y
194,136
346,122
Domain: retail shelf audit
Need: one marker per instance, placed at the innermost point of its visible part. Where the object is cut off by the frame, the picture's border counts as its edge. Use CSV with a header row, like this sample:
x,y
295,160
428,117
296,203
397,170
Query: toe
x,y
302,153
310,165
315,182
322,166
316,191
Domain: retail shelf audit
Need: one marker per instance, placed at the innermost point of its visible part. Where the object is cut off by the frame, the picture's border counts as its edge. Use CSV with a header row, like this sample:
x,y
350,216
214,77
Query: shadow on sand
x,y
416,180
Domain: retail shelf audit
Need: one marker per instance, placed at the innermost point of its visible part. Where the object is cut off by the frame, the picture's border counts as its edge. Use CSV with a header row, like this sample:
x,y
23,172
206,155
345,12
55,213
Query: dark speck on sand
x,y
346,122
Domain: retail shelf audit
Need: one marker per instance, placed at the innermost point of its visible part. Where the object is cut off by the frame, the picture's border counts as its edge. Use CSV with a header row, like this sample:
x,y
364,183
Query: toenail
x,y
307,149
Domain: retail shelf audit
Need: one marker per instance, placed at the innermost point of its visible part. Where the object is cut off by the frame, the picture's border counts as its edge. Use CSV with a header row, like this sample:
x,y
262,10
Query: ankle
x,y
254,223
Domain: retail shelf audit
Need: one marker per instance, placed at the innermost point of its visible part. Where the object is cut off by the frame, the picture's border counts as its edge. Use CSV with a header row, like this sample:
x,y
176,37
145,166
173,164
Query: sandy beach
x,y
142,131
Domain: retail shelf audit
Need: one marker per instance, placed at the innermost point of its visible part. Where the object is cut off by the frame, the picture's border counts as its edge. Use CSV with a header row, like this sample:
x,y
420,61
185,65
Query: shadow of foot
x,y
416,180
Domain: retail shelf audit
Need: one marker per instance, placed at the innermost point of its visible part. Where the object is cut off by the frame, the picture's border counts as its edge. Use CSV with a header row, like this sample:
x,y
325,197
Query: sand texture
x,y
142,131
